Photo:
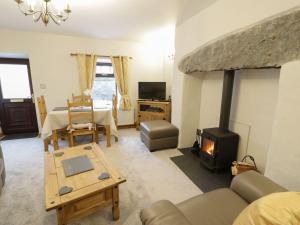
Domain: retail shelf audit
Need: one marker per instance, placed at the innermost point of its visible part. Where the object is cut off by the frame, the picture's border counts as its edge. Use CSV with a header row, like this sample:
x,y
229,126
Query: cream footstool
x,y
159,134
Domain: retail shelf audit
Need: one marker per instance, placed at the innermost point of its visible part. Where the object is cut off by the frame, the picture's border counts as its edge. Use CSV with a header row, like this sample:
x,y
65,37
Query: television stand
x,y
153,110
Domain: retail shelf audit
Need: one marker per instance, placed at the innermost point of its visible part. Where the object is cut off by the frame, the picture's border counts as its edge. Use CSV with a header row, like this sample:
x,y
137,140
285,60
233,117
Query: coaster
x,y
65,190
104,176
76,165
87,148
59,154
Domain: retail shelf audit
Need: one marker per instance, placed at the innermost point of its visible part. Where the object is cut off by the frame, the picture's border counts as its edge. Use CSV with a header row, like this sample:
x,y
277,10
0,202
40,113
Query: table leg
x,y
107,129
96,135
55,139
46,144
115,208
60,216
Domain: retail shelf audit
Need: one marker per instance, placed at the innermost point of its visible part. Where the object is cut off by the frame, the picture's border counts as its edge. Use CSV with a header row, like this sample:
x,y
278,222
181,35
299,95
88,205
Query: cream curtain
x,y
87,70
120,66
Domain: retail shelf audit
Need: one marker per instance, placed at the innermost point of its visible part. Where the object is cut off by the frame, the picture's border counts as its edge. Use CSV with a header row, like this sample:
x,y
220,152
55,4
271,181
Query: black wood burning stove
x,y
218,148
219,145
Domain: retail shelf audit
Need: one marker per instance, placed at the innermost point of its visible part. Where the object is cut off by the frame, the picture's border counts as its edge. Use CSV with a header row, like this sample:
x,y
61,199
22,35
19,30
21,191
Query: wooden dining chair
x,y
81,98
81,121
42,109
43,114
62,133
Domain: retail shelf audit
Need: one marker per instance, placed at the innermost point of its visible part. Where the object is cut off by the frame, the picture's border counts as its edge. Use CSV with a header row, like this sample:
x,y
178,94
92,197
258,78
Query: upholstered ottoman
x,y
2,170
159,134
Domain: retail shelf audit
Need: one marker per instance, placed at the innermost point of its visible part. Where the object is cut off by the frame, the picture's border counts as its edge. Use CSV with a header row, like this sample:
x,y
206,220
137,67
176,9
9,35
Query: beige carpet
x,y
150,177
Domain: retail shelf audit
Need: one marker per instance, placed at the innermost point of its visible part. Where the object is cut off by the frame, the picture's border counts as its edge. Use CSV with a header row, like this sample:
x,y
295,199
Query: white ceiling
x,y
108,19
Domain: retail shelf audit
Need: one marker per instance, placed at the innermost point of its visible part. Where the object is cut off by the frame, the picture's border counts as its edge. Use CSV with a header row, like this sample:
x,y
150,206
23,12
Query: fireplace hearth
x,y
219,145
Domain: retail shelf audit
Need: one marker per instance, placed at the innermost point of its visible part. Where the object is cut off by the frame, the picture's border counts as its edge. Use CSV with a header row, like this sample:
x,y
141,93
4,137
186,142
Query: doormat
x,y
205,179
19,136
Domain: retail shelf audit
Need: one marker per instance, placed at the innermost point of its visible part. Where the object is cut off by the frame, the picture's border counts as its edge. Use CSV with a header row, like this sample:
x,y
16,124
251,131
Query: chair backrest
x,y
42,109
115,109
80,113
81,98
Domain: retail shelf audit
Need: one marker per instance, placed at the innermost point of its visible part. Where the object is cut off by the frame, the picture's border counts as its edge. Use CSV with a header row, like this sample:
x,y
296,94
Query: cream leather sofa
x,y
218,207
2,170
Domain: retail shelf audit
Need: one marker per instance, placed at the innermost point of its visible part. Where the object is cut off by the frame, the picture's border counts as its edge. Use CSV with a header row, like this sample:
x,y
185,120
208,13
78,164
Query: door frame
x,y
18,61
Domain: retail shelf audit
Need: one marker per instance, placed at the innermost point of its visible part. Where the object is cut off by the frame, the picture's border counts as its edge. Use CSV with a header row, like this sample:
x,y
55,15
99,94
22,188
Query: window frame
x,y
111,75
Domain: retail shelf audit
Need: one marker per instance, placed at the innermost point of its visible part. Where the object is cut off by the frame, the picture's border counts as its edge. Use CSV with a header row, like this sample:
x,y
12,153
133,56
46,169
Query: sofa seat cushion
x,y
158,129
219,207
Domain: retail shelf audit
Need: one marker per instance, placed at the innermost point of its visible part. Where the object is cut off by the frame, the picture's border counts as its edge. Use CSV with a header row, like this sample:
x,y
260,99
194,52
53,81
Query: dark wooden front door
x,y
17,109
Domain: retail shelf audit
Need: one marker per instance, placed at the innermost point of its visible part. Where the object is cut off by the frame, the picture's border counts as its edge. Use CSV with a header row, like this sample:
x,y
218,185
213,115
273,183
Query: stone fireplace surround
x,y
257,112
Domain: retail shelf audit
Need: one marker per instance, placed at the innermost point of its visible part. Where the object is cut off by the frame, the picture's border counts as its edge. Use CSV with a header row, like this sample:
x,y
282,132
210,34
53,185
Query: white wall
x,y
283,164
51,63
256,90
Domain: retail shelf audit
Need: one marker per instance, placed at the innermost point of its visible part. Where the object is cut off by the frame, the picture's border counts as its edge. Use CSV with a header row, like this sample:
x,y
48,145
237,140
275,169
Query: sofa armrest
x,y
163,213
2,170
251,186
1,153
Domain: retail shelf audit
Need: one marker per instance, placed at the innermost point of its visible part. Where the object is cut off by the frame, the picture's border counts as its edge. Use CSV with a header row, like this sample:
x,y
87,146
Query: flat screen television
x,y
152,90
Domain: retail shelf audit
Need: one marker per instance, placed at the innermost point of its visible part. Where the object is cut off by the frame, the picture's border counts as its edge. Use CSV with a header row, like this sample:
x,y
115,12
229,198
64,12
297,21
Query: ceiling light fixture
x,y
45,11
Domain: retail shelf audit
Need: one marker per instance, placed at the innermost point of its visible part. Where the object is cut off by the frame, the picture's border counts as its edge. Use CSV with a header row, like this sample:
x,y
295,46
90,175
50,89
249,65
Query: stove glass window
x,y
208,146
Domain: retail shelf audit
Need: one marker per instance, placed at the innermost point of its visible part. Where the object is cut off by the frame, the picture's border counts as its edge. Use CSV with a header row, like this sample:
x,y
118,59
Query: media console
x,y
153,110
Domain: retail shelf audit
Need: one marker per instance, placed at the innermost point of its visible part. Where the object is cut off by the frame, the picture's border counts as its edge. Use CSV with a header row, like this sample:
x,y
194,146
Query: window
x,y
104,85
14,80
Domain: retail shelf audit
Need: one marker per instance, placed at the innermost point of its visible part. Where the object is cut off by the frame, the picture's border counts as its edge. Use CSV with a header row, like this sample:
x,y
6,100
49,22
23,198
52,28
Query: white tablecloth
x,y
59,119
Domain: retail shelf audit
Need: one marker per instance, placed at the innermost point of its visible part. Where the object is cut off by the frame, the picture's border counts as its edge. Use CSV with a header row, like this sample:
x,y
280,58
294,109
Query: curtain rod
x,y
104,56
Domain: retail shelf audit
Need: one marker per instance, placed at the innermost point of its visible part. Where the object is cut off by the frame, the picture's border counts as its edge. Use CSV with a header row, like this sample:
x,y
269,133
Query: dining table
x,y
58,119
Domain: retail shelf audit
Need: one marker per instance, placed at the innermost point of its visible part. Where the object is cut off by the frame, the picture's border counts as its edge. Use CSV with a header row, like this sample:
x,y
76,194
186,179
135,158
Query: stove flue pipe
x,y
226,99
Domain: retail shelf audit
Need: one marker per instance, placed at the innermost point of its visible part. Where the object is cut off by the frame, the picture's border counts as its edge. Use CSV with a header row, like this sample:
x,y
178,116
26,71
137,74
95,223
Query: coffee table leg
x,y
60,217
115,208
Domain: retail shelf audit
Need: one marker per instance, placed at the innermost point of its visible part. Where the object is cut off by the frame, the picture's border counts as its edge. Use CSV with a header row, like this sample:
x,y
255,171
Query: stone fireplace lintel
x,y
267,44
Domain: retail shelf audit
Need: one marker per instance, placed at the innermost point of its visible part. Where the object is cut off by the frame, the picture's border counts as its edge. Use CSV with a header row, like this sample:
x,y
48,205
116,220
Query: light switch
x,y
43,86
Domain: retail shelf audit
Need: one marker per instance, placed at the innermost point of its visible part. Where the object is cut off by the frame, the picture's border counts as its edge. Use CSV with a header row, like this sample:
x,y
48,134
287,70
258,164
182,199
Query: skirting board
x,y
126,126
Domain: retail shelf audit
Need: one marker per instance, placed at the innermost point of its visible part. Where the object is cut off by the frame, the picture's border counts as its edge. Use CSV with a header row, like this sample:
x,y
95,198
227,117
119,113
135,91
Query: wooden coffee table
x,y
89,193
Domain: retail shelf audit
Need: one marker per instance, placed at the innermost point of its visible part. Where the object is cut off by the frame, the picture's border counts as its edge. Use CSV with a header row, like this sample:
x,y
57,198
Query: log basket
x,y
243,166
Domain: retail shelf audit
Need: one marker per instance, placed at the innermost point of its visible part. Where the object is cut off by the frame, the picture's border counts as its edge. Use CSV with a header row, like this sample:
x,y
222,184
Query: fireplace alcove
x,y
219,145
265,45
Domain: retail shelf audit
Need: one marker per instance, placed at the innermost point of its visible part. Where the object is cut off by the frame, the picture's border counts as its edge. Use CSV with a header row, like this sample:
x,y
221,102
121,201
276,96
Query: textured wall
x,y
269,43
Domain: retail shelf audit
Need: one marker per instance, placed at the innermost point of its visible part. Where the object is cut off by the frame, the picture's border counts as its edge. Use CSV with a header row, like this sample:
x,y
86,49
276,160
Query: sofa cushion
x,y
163,213
158,129
219,207
277,208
